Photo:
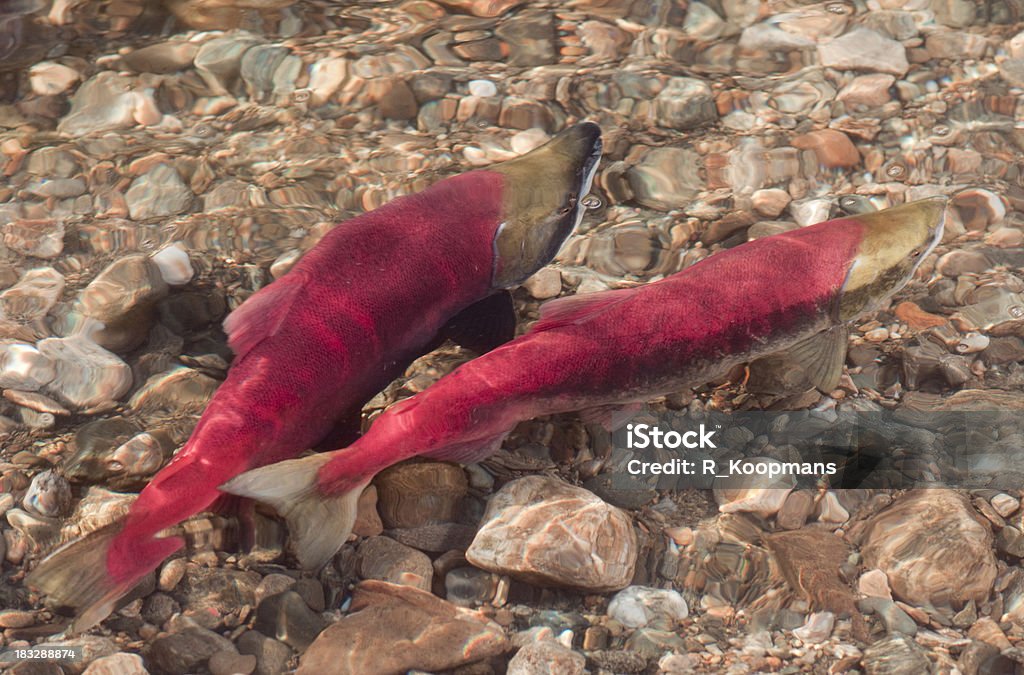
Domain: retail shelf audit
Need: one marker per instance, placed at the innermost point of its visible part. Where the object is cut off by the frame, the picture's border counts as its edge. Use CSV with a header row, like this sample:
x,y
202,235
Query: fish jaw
x,y
543,201
894,242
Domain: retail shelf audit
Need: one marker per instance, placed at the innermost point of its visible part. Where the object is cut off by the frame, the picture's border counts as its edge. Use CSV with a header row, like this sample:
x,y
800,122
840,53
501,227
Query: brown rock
x,y
770,202
933,548
868,90
485,8
548,532
368,523
410,495
396,628
915,317
385,559
834,149
795,510
398,102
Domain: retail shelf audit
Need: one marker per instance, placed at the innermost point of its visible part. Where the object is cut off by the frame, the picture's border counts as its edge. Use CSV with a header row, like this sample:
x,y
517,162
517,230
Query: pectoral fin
x,y
484,325
821,357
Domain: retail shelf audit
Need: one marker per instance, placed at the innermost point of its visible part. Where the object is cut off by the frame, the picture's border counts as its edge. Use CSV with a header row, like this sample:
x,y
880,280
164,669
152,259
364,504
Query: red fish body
x,y
620,347
314,346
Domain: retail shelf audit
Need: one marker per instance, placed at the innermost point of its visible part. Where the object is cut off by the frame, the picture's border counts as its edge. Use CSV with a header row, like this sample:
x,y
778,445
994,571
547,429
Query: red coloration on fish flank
x,y
612,348
315,345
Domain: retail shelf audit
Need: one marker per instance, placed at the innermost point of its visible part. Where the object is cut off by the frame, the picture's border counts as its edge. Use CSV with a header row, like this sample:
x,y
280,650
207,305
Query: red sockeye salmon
x,y
312,347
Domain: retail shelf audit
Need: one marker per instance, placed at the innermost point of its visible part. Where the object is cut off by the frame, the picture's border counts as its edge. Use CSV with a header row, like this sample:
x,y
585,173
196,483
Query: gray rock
x,y
894,618
385,559
637,606
864,49
103,103
685,103
666,178
271,655
652,644
186,651
287,617
159,192
87,375
895,655
122,288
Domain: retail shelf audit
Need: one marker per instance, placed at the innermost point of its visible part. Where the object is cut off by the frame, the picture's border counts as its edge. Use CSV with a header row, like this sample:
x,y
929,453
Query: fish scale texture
x,y
316,344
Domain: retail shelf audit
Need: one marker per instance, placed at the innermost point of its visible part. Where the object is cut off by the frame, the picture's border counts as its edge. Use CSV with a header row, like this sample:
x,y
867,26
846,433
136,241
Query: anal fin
x,y
484,325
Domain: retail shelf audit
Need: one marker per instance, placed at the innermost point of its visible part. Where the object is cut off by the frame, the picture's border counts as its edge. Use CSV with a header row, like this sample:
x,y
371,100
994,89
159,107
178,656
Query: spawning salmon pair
x,y
317,343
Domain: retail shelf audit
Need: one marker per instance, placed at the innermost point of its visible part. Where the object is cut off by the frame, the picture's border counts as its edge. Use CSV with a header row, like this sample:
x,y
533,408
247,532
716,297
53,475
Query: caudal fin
x,y
77,575
317,524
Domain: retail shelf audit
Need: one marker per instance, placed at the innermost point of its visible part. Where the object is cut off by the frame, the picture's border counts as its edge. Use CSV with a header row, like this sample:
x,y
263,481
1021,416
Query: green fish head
x,y
893,245
543,201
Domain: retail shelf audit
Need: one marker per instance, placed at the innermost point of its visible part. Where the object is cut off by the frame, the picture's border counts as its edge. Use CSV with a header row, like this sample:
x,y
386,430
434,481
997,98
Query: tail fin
x,y
317,524
77,574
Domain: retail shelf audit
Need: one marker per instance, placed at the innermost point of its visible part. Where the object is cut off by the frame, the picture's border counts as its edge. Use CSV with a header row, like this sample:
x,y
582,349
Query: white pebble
x,y
525,141
482,88
174,264
636,606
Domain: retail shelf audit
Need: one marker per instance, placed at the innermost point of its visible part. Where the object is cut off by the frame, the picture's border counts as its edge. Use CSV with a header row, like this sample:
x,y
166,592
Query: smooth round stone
x,y
87,374
544,531
527,140
174,265
227,662
22,367
933,548
482,88
49,494
48,78
545,284
121,663
770,202
122,287
545,657
817,629
874,584
637,606
755,493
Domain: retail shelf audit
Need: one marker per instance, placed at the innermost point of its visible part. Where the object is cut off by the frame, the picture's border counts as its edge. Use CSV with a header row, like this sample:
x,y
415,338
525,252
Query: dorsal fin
x,y
577,308
262,315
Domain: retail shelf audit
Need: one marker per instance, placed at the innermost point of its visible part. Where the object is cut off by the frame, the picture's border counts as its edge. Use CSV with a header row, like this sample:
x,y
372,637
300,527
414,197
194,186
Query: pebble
x,y
174,265
49,494
637,606
834,149
48,78
874,584
36,292
1004,504
171,574
410,495
933,549
895,619
186,651
23,368
864,49
895,655
271,655
229,662
158,192
288,618
870,90
667,178
770,202
545,284
121,663
684,103
105,102
124,287
387,560
16,618
86,374
548,532
435,635
42,238
817,629
546,658
482,88
753,493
